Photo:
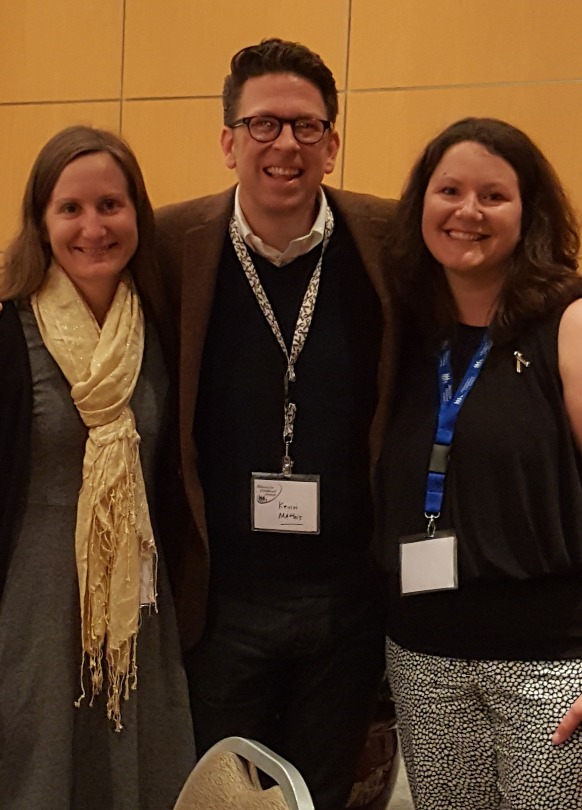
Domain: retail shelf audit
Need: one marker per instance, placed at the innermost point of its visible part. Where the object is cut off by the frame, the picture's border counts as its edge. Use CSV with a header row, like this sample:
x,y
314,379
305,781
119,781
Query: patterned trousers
x,y
476,735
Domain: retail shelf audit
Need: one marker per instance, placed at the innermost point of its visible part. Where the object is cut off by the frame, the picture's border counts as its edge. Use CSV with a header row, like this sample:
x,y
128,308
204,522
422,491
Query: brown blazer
x,y
190,237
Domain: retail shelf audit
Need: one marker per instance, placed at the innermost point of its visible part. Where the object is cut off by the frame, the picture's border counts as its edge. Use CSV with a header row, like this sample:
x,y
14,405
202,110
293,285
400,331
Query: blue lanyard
x,y
450,405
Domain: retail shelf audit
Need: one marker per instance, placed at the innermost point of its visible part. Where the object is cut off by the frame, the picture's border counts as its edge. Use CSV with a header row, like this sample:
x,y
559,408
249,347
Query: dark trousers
x,y
294,671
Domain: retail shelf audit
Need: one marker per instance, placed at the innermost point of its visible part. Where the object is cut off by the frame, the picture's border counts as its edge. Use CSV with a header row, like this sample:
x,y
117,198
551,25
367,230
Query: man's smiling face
x,y
279,179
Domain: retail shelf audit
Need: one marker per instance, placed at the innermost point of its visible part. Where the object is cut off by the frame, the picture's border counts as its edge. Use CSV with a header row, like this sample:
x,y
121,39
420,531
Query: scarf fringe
x,y
120,683
114,529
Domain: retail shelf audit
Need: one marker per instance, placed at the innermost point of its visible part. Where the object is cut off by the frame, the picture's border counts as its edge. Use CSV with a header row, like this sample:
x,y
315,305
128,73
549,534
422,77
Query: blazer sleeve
x,y
15,422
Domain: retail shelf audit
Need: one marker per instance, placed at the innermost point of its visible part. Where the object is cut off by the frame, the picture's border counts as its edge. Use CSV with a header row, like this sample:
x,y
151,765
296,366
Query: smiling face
x,y
279,181
91,223
471,221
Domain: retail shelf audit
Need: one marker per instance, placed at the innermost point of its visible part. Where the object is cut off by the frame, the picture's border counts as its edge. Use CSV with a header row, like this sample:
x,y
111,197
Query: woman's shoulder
x,y
569,333
546,327
570,316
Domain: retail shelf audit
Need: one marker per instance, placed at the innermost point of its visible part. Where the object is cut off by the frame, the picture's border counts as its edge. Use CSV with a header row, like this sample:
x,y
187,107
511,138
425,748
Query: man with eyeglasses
x,y
278,294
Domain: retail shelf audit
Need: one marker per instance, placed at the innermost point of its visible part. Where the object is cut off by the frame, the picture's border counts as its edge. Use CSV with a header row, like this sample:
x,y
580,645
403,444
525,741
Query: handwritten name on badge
x,y
285,506
290,511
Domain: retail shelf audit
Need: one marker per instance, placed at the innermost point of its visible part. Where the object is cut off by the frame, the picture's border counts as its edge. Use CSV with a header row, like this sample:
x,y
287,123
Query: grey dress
x,y
54,756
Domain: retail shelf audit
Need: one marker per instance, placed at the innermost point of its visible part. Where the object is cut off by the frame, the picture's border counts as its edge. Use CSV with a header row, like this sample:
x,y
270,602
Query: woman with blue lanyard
x,y
480,481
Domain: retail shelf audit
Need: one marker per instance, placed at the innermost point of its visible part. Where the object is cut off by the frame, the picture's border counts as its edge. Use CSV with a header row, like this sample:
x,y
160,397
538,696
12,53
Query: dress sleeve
x,y
15,420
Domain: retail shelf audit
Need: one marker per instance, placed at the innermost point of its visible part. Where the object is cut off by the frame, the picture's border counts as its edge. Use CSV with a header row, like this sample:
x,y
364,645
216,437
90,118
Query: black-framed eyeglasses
x,y
267,128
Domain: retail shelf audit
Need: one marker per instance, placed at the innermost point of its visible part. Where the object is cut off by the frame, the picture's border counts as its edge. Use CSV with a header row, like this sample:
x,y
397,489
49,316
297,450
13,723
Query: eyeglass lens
x,y
268,128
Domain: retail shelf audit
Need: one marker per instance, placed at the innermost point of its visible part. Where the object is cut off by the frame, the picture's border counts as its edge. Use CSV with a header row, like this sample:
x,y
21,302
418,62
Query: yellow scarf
x,y
114,542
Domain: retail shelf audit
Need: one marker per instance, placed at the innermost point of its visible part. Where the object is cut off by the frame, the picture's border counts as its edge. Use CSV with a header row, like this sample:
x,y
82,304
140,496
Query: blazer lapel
x,y
203,244
202,251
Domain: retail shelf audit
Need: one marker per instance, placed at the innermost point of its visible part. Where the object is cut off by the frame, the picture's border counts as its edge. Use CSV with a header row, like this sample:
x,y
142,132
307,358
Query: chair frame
x,y
287,776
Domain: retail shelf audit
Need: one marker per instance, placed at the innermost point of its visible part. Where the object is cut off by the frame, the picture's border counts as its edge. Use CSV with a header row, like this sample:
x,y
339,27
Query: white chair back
x,y
221,781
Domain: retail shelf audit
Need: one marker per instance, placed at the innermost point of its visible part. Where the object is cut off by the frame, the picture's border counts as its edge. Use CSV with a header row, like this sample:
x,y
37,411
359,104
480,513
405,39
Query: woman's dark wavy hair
x,y
29,255
541,273
277,56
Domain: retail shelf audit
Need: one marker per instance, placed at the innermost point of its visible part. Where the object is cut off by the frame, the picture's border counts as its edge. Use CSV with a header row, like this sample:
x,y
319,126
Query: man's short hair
x,y
277,56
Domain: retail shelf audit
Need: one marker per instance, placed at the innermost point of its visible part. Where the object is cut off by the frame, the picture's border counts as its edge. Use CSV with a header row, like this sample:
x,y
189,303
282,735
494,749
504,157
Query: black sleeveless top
x,y
513,495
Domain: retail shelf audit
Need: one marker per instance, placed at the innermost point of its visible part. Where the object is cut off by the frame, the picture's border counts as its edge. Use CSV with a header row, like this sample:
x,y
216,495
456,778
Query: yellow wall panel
x,y
379,157
178,145
60,50
403,43
23,131
178,48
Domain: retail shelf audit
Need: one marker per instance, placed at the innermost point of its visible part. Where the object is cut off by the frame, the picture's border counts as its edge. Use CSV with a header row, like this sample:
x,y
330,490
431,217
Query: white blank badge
x,y
428,564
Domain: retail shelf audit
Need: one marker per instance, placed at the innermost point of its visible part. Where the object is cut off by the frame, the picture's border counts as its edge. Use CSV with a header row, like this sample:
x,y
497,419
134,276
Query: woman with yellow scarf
x,y
88,638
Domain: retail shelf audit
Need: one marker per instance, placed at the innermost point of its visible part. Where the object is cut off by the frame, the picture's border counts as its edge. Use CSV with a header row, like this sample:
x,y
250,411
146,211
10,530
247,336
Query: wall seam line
x,y
122,76
346,88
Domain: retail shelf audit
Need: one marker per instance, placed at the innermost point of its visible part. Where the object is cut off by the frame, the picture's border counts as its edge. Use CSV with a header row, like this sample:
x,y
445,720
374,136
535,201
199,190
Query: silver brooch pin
x,y
520,362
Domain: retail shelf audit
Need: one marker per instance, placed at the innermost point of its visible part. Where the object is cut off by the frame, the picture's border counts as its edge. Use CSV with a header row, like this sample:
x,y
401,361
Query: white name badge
x,y
428,563
285,504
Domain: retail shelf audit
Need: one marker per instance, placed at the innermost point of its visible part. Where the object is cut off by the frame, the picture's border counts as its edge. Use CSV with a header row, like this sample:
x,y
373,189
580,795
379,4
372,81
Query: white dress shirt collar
x,y
297,247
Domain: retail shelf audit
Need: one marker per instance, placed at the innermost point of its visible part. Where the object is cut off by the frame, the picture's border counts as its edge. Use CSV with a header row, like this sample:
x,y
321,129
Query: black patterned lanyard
x,y
302,326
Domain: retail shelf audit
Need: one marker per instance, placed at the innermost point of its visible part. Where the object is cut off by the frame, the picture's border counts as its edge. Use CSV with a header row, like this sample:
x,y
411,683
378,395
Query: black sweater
x,y
239,418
